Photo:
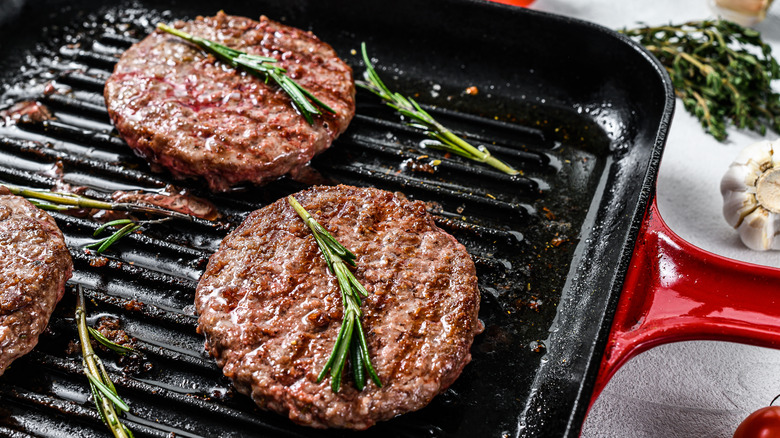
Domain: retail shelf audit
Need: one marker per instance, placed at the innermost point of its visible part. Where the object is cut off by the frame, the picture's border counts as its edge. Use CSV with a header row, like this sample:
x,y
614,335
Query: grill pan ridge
x,y
551,245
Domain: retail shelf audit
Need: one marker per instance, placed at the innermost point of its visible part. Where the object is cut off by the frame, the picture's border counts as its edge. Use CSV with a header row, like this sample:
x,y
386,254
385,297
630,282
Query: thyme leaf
x,y
303,100
443,138
721,71
351,337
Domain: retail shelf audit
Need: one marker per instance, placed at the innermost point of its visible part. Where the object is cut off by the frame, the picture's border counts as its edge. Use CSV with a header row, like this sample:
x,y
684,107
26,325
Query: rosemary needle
x,y
444,138
302,99
104,341
351,340
129,226
104,394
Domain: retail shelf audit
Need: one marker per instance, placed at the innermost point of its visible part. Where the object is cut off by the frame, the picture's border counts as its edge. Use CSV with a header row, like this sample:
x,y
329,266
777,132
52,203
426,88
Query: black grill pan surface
x,y
580,110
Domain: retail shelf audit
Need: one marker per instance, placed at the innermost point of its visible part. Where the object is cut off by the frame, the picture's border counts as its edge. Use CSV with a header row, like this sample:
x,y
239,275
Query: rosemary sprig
x,y
129,226
351,339
59,201
419,118
722,72
302,99
104,394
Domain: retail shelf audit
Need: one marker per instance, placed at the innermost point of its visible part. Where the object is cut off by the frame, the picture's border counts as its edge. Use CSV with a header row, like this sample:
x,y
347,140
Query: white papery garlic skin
x,y
751,195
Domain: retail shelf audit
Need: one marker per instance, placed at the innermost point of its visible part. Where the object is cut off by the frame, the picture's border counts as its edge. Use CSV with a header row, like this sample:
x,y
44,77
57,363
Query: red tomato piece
x,y
763,423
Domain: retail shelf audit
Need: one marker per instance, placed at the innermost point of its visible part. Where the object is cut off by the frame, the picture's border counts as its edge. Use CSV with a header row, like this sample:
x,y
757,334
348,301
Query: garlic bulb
x,y
751,195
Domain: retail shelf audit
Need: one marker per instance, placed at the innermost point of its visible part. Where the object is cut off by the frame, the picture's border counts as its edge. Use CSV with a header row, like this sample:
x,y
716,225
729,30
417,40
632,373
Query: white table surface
x,y
685,389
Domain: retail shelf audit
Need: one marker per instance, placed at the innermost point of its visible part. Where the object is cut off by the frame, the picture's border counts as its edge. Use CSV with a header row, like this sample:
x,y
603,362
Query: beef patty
x,y
34,266
182,109
271,311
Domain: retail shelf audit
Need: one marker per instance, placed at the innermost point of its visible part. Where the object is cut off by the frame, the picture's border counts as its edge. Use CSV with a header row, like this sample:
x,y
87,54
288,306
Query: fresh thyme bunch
x,y
722,72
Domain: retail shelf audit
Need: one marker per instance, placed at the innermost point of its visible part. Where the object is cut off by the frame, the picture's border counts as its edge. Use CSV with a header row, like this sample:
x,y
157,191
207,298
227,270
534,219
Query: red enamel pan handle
x,y
521,3
675,291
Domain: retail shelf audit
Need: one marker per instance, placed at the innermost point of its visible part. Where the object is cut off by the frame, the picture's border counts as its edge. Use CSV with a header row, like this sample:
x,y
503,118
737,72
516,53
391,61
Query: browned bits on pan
x,y
98,262
557,241
418,165
111,328
134,305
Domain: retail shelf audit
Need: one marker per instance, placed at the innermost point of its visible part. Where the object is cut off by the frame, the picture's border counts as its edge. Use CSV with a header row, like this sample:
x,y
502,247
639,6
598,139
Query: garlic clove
x,y
758,230
751,195
737,205
738,178
760,152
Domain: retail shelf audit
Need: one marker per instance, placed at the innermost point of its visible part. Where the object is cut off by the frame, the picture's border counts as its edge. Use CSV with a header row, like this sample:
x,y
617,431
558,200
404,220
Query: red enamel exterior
x,y
521,3
674,291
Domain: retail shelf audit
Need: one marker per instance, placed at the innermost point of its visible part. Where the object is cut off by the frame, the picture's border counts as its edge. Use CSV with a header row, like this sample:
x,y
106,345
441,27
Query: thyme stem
x,y
351,337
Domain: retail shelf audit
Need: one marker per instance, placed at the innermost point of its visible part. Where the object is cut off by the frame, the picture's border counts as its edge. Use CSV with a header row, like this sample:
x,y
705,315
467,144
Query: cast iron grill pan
x,y
549,245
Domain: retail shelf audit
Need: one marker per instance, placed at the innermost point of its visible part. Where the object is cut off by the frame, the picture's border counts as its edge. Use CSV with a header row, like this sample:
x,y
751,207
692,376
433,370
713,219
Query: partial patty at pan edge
x,y
34,266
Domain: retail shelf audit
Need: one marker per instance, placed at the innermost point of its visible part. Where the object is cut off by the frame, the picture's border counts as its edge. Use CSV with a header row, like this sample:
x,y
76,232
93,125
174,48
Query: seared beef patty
x,y
34,266
181,108
271,311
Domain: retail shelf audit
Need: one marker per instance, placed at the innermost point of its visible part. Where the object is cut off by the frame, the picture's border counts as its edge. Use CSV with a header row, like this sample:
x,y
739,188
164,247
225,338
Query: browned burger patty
x,y
271,311
34,266
180,108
